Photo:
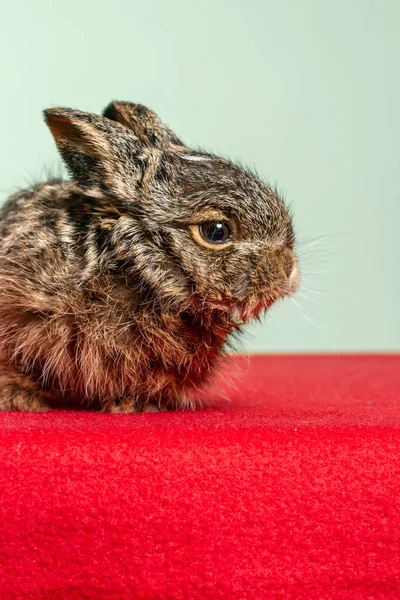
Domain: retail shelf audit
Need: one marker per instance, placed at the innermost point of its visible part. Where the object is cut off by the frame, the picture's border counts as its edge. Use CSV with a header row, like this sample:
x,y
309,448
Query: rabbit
x,y
120,287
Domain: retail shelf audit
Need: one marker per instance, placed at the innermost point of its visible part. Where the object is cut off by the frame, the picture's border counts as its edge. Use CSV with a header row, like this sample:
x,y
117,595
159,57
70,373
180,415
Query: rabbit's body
x,y
89,333
108,294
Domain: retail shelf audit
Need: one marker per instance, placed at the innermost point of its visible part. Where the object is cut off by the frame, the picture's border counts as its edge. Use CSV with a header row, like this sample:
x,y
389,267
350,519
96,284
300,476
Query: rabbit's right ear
x,y
144,123
98,153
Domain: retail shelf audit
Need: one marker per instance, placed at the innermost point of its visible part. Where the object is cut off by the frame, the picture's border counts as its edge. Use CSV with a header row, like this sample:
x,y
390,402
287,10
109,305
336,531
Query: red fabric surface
x,y
289,490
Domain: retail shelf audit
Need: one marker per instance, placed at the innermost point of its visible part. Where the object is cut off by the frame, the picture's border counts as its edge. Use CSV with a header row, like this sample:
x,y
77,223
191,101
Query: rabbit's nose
x,y
293,278
290,269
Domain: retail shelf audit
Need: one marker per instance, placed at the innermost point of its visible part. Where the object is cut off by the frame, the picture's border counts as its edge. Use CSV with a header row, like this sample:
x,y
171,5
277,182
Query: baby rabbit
x,y
120,287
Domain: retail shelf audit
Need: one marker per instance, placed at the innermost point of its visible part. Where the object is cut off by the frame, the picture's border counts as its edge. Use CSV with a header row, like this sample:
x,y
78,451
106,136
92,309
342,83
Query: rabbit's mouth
x,y
239,312
248,311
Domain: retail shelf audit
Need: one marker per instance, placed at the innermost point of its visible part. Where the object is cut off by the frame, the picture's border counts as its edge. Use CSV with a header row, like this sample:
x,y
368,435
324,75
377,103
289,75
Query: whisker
x,y
310,245
320,253
301,310
300,295
303,313
312,291
325,294
317,272
322,237
269,314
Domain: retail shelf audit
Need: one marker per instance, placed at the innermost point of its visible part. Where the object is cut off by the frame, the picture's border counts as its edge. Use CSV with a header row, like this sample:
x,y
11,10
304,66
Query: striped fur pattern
x,y
108,296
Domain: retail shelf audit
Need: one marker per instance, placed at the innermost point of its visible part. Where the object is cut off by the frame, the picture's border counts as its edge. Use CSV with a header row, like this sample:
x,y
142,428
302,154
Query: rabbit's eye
x,y
216,232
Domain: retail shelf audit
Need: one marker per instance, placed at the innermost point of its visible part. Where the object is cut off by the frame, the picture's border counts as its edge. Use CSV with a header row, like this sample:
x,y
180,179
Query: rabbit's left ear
x,y
144,123
98,153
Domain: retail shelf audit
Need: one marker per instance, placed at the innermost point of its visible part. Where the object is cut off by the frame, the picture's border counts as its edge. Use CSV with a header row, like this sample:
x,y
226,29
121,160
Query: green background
x,y
307,91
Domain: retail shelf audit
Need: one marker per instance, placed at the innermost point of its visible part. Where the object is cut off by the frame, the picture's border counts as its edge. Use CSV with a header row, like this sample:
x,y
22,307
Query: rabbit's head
x,y
192,228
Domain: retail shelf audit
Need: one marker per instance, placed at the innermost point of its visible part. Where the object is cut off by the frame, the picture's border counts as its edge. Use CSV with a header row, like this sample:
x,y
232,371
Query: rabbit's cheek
x,y
241,285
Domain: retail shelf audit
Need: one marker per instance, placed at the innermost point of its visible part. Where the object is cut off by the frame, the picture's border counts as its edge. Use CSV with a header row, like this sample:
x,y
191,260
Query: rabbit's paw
x,y
130,405
123,405
20,394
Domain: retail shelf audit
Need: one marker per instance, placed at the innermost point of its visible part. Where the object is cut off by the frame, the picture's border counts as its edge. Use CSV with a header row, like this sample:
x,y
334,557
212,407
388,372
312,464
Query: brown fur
x,y
108,293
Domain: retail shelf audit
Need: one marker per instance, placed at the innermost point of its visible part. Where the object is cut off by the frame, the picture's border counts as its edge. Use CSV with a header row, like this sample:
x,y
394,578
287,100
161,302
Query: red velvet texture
x,y
289,490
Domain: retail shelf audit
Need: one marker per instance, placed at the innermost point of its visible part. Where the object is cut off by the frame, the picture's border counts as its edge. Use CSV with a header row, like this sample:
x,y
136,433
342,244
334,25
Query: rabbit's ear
x,y
144,123
98,152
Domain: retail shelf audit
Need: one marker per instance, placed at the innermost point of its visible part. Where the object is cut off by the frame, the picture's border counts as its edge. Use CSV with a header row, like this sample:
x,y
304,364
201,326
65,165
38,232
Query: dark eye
x,y
216,232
